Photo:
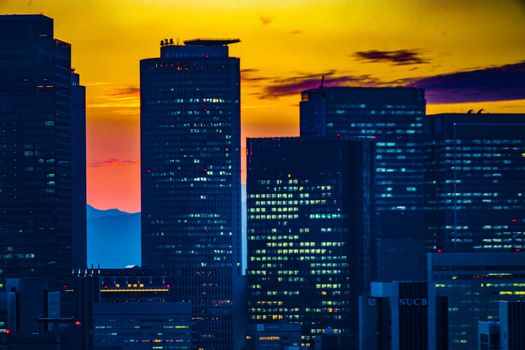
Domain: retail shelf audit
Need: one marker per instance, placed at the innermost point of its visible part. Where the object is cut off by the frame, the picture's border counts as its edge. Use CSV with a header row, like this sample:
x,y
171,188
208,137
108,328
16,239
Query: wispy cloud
x,y
131,90
396,57
124,97
116,103
295,84
112,163
498,83
252,75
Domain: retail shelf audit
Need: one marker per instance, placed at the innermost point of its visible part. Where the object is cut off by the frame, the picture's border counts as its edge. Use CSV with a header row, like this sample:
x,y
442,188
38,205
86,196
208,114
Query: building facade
x,y
394,118
512,322
136,325
41,110
477,192
190,151
474,283
273,336
34,319
308,232
402,316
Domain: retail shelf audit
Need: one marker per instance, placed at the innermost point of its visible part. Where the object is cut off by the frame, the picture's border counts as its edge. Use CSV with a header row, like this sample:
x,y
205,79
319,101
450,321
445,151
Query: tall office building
x,y
308,233
474,283
78,171
395,119
190,151
41,108
478,182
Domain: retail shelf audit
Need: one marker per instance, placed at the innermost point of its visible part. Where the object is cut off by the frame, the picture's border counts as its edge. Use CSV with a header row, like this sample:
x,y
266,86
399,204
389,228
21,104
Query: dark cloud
x,y
397,57
295,32
294,85
126,91
112,162
252,75
500,83
478,85
266,20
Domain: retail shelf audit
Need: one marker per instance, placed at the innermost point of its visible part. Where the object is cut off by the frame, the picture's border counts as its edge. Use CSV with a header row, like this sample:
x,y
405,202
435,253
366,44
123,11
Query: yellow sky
x,y
280,39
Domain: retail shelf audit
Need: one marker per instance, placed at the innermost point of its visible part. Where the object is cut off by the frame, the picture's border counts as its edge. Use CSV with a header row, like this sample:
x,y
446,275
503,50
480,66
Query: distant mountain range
x,y
113,238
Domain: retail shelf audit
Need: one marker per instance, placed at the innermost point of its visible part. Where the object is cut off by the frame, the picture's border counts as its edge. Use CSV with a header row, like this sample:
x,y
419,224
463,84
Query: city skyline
x,y
286,48
388,213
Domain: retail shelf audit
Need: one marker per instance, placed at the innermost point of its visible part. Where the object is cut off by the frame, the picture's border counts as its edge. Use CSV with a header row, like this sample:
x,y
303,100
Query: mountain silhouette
x,y
113,238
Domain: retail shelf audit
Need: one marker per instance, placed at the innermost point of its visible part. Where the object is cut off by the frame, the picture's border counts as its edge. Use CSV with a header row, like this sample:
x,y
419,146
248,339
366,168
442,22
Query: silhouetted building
x,y
42,229
78,168
474,283
402,316
190,160
478,191
274,336
308,232
34,318
395,119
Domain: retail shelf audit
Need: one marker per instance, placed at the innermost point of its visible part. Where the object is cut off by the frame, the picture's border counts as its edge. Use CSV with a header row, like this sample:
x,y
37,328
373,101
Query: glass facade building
x,y
190,160
395,119
474,283
308,209
477,191
42,225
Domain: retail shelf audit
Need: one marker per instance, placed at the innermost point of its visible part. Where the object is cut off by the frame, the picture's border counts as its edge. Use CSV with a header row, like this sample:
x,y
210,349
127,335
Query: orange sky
x,y
283,41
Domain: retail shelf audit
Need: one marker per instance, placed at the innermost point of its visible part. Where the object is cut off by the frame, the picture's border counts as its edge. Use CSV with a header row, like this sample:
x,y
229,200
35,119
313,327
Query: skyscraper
x,y
190,151
308,233
78,168
395,119
41,111
478,188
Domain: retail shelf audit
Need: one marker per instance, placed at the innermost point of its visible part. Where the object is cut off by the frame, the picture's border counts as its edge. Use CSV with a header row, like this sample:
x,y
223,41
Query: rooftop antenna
x,y
322,82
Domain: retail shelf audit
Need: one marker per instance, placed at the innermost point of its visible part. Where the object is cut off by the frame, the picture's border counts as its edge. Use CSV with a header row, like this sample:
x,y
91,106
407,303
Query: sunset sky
x,y
467,54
